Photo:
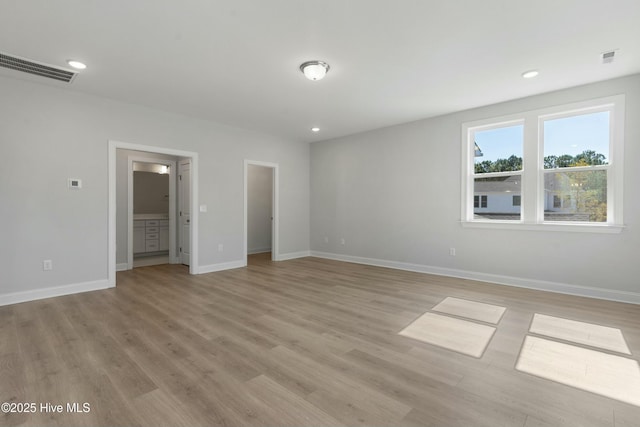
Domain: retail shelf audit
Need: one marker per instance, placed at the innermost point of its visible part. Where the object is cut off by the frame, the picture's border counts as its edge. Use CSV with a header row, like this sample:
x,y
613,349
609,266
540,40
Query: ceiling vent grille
x,y
31,67
608,57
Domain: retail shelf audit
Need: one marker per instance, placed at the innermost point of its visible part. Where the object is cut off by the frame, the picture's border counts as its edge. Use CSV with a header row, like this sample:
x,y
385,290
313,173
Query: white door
x,y
184,217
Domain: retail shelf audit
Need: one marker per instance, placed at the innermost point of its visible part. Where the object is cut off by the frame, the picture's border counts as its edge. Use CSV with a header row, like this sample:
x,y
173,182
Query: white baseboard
x,y
541,285
292,255
122,267
221,266
258,251
240,263
35,294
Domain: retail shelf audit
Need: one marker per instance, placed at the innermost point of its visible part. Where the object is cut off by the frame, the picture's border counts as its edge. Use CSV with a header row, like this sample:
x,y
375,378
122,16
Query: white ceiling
x,y
236,61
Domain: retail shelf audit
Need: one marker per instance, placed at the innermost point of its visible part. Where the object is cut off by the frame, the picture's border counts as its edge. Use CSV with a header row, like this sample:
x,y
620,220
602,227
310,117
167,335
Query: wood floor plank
x,y
303,342
12,387
160,408
8,331
351,402
286,408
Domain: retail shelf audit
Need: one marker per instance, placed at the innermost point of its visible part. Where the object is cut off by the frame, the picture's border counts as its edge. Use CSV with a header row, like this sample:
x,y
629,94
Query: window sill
x,y
547,226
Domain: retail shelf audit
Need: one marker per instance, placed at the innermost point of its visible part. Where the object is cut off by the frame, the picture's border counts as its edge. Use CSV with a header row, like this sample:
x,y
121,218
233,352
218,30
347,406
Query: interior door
x,y
184,218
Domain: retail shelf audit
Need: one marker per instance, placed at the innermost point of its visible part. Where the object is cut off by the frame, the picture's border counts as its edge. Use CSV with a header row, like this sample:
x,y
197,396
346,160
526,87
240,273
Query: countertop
x,y
151,216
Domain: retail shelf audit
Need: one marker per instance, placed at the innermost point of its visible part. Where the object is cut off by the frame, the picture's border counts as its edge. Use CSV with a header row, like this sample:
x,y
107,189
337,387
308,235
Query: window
x,y
497,170
576,152
480,201
559,168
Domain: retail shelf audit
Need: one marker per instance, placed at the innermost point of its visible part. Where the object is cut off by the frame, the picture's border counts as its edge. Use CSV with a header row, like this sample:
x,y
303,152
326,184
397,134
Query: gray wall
x,y
150,193
394,195
64,134
259,208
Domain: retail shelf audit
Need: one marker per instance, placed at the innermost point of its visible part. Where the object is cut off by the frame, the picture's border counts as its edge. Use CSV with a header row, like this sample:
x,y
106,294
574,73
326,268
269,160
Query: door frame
x,y
111,228
275,224
180,234
172,205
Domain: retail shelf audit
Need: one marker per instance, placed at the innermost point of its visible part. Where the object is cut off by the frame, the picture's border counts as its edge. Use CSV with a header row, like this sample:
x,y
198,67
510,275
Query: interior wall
x,y
259,208
393,195
150,193
64,134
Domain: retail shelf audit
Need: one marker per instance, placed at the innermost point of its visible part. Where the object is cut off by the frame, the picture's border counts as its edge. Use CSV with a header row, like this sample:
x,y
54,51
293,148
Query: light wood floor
x,y
306,342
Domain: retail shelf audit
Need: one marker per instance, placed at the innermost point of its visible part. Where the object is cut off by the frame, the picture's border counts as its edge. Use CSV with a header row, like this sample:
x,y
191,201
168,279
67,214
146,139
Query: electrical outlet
x,y
452,251
220,247
74,183
326,239
47,265
342,241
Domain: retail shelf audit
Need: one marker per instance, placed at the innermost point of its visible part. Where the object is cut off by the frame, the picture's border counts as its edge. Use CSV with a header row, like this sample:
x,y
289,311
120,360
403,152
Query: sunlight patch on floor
x,y
580,332
605,374
453,334
471,309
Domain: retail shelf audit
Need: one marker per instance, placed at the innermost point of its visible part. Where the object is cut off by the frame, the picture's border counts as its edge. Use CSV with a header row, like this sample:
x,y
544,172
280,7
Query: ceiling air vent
x,y
31,67
607,57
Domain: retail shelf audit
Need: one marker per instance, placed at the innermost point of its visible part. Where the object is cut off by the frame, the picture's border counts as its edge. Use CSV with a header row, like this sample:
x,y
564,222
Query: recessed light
x,y
530,74
77,64
315,129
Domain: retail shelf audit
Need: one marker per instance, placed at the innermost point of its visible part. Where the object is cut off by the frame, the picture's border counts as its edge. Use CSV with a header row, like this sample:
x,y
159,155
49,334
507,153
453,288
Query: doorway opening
x,y
151,212
260,211
120,204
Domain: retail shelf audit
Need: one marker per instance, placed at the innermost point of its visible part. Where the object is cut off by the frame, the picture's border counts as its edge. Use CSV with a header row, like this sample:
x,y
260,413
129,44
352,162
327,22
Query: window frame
x,y
532,173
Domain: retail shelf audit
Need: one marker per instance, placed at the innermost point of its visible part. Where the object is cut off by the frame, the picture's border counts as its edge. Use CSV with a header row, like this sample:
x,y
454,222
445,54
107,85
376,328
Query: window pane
x,y
575,196
496,197
577,140
499,149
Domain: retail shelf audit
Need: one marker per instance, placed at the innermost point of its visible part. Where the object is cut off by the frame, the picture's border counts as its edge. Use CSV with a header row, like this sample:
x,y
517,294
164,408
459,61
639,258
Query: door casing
x,y
113,146
275,235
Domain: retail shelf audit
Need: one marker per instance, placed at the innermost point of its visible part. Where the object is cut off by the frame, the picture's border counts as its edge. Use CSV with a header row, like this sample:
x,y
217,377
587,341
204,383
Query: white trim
x,y
258,251
275,224
182,163
122,266
615,180
211,268
293,255
113,146
547,226
532,173
540,285
172,205
36,294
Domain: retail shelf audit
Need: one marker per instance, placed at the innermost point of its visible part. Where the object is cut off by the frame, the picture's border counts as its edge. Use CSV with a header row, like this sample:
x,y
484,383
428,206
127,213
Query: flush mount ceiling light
x,y
530,74
314,70
315,129
77,64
